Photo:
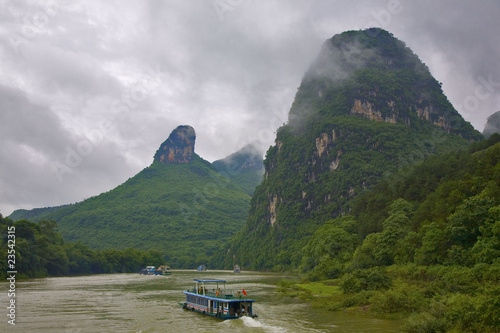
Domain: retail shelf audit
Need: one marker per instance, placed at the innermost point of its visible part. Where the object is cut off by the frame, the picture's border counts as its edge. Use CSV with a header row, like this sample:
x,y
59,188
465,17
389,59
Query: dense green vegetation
x,y
424,244
365,109
183,210
443,212
374,191
426,298
41,251
308,193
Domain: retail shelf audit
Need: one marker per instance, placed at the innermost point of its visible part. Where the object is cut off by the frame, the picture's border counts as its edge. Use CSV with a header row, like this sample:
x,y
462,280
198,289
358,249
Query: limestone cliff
x,y
179,147
366,109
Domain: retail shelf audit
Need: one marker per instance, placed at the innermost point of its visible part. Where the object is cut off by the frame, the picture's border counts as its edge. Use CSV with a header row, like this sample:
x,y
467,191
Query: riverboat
x,y
152,270
210,297
163,270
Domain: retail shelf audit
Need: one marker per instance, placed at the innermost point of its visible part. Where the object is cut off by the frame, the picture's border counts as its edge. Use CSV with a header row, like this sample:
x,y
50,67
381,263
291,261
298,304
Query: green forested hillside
x,y
423,245
41,251
445,211
366,108
183,210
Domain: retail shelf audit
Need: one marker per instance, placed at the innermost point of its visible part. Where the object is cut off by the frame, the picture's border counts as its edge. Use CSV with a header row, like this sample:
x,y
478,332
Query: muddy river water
x,y
141,303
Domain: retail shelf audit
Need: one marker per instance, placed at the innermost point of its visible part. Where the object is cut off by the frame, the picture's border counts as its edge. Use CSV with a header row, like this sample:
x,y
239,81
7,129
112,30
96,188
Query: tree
x,y
464,224
380,248
487,248
434,244
330,247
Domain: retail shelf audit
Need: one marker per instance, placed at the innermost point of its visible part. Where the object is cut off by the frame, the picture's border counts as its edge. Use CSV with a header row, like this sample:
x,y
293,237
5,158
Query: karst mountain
x,y
180,205
366,108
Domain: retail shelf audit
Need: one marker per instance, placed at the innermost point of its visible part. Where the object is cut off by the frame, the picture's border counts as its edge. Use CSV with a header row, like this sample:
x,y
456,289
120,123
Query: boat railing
x,y
219,293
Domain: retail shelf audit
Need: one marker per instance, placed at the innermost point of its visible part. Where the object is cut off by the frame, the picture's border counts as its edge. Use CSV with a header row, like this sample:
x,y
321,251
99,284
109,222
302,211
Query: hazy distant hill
x,y
366,108
245,168
492,125
179,204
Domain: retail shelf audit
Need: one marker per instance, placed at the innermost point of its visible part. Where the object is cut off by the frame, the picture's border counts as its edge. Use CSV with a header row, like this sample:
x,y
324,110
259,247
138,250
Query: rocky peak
x,y
179,147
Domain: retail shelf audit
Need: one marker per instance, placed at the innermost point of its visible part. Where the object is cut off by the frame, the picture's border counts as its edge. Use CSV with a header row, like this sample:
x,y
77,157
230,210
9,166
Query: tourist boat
x,y
149,270
163,270
211,298
152,270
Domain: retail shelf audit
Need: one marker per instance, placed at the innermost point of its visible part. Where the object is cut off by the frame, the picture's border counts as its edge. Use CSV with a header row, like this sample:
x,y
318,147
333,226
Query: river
x,y
147,304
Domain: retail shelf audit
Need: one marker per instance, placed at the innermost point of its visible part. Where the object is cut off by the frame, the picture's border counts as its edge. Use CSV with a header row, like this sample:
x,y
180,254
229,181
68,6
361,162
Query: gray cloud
x,y
110,80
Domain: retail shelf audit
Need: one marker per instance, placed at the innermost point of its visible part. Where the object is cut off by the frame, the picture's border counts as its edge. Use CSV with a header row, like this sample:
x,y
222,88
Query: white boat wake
x,y
255,323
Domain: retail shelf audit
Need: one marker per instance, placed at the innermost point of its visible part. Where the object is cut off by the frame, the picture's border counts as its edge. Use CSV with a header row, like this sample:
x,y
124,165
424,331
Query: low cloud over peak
x,y
89,88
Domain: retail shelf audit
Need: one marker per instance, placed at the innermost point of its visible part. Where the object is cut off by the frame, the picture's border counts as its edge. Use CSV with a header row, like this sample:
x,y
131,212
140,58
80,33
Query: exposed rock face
x,y
335,163
322,143
366,109
272,209
179,147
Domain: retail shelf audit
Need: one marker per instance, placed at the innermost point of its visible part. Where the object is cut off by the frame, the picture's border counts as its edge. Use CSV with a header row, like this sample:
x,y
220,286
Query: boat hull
x,y
204,312
210,297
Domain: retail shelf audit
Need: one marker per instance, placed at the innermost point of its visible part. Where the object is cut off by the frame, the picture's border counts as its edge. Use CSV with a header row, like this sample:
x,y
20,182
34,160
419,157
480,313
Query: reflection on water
x,y
141,303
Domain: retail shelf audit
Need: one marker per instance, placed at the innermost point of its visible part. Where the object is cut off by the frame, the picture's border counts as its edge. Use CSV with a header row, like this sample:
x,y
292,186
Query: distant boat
x,y
149,270
236,269
152,270
211,298
163,270
201,268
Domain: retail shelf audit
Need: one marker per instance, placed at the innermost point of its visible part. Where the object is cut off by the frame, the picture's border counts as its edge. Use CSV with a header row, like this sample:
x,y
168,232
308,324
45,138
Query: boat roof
x,y
209,281
227,300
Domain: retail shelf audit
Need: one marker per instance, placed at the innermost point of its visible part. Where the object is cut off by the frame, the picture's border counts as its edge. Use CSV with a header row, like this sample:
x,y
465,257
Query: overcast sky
x,y
90,89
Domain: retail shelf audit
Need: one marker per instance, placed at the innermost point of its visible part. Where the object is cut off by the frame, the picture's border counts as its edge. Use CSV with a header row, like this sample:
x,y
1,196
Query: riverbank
x,y
424,298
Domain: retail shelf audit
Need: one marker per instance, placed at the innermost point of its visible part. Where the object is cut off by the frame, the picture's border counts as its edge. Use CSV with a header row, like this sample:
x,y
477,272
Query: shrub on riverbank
x,y
427,298
365,279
